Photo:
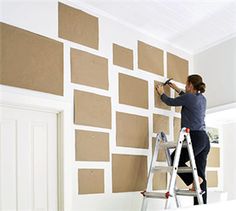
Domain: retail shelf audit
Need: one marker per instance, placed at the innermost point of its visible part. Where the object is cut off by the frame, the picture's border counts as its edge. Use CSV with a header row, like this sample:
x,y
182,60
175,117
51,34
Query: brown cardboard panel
x,y
77,26
213,159
150,58
160,123
177,108
122,56
157,99
92,109
30,61
177,127
91,146
131,130
160,181
133,91
129,173
161,153
212,179
90,181
89,69
180,184
177,68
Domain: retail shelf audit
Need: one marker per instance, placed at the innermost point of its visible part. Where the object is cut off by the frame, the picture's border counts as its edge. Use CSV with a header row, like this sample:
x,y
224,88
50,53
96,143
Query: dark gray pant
x,y
201,148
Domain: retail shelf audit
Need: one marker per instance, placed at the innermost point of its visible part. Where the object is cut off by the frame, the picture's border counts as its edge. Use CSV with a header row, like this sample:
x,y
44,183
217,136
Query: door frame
x,y
30,100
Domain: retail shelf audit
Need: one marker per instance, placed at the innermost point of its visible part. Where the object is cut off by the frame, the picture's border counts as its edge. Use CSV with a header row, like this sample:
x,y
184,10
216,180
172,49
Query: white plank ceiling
x,y
191,25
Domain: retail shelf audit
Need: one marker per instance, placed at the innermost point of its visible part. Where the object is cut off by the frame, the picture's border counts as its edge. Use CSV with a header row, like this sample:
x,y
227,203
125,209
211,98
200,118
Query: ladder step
x,y
169,169
171,144
160,195
188,192
162,168
185,170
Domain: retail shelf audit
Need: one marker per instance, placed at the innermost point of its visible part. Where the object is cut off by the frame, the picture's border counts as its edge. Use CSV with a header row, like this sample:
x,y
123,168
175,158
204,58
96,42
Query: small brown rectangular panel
x,y
177,127
161,153
212,179
157,99
213,159
122,56
77,26
30,61
92,109
131,130
133,91
89,69
160,181
150,58
129,173
91,146
90,181
177,68
160,123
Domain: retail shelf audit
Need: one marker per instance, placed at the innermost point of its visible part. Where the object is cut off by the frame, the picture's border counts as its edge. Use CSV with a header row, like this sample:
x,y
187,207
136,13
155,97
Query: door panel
x,y
28,160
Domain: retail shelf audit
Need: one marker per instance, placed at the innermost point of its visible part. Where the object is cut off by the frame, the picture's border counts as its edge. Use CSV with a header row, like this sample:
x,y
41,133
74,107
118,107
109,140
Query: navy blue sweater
x,y
193,109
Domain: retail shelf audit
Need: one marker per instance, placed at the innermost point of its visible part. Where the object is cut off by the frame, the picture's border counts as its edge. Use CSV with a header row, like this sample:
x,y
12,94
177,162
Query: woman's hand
x,y
160,89
173,86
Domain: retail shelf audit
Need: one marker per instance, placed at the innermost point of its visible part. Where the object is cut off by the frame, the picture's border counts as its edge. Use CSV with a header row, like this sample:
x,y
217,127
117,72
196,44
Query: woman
x,y
192,116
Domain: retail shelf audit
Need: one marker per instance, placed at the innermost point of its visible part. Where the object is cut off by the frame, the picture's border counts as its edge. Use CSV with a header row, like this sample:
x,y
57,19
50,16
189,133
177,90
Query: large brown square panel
x,y
129,173
122,56
157,99
91,146
160,181
213,159
131,130
91,181
92,109
133,91
77,26
177,68
150,58
160,123
89,69
30,61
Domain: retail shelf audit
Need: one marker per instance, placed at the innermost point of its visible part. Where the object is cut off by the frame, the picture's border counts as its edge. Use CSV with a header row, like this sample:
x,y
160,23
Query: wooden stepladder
x,y
172,191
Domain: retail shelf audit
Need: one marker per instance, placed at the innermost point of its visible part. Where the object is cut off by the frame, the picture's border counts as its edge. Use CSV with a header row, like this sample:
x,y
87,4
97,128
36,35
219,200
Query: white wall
x,y
217,65
229,169
226,205
41,17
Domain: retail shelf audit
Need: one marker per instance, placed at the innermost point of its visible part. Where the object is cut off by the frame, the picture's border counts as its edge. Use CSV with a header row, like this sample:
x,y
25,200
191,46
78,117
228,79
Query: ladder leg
x,y
167,204
194,168
175,164
144,204
177,201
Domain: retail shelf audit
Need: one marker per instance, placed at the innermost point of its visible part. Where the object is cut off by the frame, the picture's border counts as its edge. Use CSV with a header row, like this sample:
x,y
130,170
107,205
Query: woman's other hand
x,y
173,86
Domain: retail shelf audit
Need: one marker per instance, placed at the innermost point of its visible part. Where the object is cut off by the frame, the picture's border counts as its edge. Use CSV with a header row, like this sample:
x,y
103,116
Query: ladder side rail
x,y
176,162
169,162
150,173
194,169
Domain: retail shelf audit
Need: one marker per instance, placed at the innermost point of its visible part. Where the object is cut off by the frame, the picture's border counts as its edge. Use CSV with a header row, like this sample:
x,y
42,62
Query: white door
x,y
28,160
